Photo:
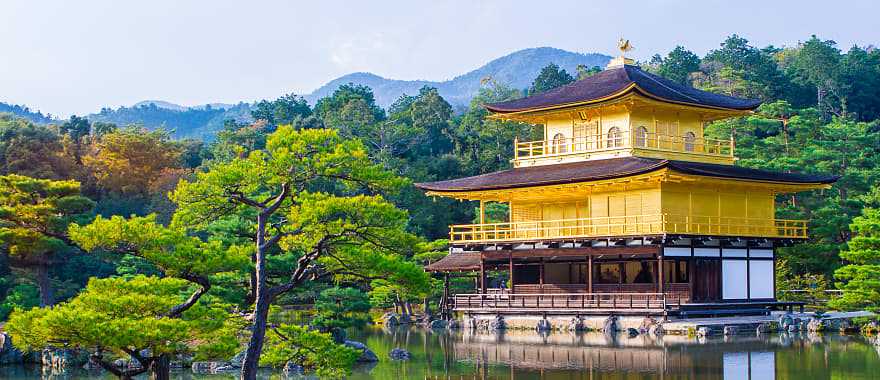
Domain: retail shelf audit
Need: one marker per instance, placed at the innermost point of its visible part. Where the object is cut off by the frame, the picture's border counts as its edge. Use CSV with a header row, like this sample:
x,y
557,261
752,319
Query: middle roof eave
x,y
587,171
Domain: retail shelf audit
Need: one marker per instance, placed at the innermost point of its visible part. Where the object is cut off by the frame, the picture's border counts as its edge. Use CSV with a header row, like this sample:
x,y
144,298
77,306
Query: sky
x,y
75,57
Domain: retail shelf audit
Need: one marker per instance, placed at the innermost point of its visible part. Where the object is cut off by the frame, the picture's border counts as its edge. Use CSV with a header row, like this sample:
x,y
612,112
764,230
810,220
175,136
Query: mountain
x,y
517,69
178,107
161,104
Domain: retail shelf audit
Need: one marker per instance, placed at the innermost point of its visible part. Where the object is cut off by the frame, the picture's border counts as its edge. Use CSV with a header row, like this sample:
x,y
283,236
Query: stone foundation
x,y
559,322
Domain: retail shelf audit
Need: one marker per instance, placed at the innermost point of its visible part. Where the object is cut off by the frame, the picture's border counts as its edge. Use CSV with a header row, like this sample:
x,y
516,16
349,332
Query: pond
x,y
569,356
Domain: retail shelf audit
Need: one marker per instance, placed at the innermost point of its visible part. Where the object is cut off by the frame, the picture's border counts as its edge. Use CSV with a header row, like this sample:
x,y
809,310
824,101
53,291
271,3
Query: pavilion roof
x,y
456,262
616,82
594,170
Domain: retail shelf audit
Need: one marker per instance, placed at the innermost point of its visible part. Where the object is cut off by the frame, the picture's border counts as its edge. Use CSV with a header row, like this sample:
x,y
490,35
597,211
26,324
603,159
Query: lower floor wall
x,y
729,273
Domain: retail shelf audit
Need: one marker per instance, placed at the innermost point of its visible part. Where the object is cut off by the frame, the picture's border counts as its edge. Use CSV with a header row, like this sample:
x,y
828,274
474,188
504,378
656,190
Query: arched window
x,y
689,139
614,139
559,143
641,137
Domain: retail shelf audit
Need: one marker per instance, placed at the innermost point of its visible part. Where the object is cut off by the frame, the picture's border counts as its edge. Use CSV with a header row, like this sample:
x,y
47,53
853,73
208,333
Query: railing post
x,y
516,147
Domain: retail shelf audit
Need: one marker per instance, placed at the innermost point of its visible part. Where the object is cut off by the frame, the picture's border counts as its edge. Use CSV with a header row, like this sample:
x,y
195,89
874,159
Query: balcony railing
x,y
627,226
559,301
623,140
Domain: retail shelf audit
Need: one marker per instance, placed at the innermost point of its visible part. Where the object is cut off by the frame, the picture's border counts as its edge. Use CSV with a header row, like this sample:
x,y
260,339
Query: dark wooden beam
x,y
572,252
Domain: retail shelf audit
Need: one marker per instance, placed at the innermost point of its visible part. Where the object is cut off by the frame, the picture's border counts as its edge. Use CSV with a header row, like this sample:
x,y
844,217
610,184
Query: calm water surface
x,y
565,356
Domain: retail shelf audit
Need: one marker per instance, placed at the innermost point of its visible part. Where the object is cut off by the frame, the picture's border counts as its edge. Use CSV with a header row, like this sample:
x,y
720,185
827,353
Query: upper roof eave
x,y
617,82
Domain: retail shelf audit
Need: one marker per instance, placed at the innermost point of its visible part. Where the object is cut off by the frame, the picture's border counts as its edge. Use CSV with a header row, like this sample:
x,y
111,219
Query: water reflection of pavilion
x,y
670,357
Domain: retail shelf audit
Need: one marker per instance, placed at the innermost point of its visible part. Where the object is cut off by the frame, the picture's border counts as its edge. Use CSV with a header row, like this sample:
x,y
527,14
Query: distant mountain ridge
x,y
517,70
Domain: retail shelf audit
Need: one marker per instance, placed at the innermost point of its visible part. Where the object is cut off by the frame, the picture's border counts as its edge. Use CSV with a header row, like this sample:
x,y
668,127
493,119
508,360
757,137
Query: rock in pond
x,y
238,359
544,325
367,356
390,319
292,369
816,325
8,353
610,325
438,324
63,358
399,354
576,324
498,323
210,368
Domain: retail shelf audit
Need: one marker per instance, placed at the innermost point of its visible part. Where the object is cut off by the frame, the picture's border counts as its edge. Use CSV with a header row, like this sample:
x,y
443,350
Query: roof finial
x,y
624,46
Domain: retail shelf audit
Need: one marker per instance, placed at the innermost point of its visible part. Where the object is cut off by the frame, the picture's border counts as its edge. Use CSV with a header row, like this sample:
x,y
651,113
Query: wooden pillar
x,y
510,270
482,211
482,275
659,274
589,273
444,313
541,273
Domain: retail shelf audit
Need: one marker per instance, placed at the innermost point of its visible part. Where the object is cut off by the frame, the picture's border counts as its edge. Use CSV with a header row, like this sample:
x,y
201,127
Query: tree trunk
x,y
261,307
252,286
160,369
47,294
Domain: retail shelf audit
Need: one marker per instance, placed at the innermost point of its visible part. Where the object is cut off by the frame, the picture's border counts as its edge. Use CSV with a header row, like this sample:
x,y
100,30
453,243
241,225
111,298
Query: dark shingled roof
x,y
456,262
586,171
614,80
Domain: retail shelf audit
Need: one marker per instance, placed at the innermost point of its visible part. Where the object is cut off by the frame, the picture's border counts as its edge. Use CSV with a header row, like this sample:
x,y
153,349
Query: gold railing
x,y
627,226
623,140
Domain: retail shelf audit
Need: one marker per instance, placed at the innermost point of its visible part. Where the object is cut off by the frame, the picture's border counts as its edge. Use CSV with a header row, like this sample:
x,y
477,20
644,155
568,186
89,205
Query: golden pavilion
x,y
623,206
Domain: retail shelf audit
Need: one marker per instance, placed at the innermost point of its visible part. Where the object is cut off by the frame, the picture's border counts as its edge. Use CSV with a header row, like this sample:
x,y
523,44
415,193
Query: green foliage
x,y
311,349
168,248
31,150
282,111
34,215
583,71
810,288
550,77
739,69
341,308
351,110
76,127
21,296
860,278
678,65
119,315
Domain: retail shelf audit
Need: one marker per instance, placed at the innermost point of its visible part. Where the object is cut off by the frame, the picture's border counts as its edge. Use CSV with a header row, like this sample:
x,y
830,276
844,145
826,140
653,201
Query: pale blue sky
x,y
68,57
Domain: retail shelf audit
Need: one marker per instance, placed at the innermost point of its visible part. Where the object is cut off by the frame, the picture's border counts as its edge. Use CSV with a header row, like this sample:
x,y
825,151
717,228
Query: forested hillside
x,y
25,113
182,122
820,114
